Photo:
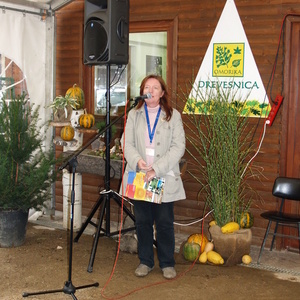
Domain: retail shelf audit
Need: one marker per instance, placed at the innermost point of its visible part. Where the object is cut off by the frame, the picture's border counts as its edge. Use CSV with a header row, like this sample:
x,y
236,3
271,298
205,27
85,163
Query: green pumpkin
x,y
191,251
67,133
77,93
246,220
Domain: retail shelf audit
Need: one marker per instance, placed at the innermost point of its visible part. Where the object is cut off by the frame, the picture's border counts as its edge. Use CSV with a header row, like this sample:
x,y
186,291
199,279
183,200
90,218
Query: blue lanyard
x,y
151,133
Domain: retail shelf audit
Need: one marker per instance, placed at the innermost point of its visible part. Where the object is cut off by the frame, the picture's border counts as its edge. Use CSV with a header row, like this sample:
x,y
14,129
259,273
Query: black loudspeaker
x,y
106,32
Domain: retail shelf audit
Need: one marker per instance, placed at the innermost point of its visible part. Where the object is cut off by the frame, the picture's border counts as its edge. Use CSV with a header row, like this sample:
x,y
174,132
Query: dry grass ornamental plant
x,y
220,144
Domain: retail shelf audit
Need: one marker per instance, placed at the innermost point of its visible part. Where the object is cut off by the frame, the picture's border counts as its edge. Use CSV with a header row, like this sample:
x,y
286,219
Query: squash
x,y
77,93
198,238
246,259
246,220
191,251
212,223
67,133
215,258
203,257
86,120
230,227
208,247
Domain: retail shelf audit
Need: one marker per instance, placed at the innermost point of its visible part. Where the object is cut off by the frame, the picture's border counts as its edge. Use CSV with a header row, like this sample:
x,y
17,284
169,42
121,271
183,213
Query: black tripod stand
x,y
108,194
72,162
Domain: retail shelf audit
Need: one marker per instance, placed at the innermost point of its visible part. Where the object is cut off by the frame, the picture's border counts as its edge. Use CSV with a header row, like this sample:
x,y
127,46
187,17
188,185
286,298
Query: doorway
x,y
290,135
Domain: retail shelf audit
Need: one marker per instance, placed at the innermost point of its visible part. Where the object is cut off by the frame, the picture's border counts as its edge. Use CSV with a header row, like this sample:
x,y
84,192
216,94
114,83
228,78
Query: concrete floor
x,y
285,264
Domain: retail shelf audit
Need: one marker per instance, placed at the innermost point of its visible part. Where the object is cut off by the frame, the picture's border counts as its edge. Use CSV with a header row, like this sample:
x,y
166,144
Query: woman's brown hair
x,y
164,100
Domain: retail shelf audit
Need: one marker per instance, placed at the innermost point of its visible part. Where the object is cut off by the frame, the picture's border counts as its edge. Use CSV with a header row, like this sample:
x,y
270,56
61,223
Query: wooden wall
x,y
197,20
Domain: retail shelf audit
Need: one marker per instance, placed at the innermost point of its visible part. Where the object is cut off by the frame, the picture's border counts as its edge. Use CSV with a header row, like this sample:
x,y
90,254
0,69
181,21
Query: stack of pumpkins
x,y
85,120
199,248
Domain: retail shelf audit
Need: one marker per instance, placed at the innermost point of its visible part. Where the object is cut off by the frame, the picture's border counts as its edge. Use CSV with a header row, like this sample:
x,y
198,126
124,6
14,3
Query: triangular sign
x,y
229,62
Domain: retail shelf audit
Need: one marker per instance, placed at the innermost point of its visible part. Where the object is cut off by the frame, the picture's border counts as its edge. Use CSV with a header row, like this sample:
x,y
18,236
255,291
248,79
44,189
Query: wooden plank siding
x,y
197,20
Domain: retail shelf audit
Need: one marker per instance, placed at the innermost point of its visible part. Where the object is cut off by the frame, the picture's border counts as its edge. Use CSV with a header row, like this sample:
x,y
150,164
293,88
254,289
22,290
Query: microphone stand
x,y
72,163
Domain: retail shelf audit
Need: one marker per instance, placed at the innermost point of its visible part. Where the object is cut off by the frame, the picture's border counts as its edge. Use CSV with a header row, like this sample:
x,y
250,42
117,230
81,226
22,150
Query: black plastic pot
x,y
13,225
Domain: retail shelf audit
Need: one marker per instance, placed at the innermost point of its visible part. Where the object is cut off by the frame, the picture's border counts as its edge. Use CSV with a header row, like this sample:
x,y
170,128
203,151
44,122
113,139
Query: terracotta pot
x,y
231,246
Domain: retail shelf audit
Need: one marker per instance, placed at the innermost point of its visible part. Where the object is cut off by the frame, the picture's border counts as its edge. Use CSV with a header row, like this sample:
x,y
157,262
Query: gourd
x,y
198,238
67,133
212,223
203,257
77,93
86,120
215,258
230,227
208,247
246,220
246,259
191,251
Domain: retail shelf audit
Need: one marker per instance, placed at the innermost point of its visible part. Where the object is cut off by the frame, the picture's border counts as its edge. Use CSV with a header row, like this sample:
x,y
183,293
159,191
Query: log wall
x,y
197,20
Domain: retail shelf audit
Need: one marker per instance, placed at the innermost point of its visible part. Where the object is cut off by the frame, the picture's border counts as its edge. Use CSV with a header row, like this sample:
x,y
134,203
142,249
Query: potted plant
x,y
220,144
62,107
26,168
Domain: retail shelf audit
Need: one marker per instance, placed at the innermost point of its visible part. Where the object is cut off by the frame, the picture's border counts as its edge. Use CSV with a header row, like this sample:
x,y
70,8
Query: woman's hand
x,y
150,175
142,165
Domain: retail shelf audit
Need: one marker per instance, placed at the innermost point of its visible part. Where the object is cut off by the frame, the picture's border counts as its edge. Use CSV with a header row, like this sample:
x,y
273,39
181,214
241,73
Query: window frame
x,y
171,27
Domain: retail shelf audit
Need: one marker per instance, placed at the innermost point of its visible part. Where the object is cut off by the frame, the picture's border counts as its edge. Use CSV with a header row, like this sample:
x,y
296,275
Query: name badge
x,y
149,151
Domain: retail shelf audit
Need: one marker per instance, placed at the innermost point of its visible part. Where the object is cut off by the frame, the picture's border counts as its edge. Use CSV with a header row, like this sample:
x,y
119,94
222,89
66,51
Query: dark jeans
x,y
146,214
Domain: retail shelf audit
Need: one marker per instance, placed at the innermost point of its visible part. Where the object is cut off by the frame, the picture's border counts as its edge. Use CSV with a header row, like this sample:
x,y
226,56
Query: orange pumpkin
x,y
86,120
67,133
198,238
77,93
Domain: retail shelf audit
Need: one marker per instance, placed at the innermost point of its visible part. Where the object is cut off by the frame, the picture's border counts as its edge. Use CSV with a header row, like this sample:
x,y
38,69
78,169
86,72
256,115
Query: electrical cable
x,y
277,53
120,74
120,232
270,85
121,218
194,222
258,149
271,78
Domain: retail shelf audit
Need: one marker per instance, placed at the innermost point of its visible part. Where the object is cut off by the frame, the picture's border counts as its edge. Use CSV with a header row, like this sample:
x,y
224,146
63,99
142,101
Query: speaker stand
x,y
104,199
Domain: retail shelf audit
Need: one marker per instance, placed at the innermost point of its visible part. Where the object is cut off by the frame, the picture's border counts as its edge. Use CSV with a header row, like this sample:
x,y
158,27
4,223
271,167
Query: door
x,y
290,139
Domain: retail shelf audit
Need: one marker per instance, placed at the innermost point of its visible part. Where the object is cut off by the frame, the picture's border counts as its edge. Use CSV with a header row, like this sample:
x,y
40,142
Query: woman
x,y
154,143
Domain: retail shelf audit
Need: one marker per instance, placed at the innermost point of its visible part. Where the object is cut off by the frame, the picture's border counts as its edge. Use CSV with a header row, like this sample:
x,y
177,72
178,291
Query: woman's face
x,y
153,86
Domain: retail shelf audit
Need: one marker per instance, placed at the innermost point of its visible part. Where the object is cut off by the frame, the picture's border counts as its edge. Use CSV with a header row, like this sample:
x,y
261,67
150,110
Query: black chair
x,y
286,189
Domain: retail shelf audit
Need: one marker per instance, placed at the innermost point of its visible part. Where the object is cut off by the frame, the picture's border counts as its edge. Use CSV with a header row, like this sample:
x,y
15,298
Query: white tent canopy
x,y
28,39
33,5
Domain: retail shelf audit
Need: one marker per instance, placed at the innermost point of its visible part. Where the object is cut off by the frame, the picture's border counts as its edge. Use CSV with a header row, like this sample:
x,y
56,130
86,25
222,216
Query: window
x,y
152,50
12,80
148,55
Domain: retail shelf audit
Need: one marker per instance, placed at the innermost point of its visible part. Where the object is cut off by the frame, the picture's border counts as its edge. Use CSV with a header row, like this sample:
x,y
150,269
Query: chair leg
x,y
264,241
274,235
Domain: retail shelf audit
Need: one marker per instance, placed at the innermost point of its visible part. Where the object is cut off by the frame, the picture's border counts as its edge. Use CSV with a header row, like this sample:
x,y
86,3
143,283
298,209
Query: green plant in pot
x,y
26,168
220,145
62,107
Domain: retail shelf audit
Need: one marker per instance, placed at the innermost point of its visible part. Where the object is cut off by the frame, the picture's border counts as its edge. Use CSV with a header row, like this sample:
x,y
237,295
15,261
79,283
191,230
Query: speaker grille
x,y
95,41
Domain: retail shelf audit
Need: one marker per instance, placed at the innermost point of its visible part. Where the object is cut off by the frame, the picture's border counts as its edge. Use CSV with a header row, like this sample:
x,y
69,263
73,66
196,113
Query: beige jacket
x,y
169,148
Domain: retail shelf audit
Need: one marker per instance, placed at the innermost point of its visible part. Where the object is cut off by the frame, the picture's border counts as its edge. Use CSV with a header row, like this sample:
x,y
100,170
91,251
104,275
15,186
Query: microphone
x,y
143,97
